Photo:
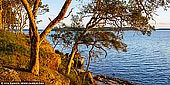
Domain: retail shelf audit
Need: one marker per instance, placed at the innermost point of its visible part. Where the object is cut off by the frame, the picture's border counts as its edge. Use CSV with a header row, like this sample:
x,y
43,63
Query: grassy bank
x,y
14,57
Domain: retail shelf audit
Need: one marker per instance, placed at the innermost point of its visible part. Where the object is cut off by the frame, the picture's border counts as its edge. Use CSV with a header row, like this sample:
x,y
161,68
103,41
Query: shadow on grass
x,y
17,69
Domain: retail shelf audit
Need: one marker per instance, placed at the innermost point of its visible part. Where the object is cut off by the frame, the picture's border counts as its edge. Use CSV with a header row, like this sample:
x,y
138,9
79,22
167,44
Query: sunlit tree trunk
x,y
35,38
74,49
34,58
1,14
1,19
75,46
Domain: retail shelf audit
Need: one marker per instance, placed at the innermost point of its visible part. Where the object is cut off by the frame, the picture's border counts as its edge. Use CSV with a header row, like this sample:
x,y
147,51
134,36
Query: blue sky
x,y
162,21
55,6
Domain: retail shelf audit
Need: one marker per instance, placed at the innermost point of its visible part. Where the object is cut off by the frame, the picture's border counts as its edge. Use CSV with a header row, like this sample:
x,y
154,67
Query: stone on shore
x,y
105,80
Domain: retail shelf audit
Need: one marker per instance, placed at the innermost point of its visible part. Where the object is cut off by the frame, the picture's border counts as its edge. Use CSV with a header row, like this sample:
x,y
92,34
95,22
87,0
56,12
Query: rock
x,y
80,64
48,76
8,75
88,76
46,46
105,80
58,52
51,61
77,55
79,61
80,70
54,77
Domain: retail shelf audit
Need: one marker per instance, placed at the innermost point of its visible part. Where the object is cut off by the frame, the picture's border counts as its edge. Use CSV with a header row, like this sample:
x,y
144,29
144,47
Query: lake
x,y
146,62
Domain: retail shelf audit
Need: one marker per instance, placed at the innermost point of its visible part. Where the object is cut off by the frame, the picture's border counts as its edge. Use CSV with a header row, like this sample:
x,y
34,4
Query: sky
x,y
162,20
55,6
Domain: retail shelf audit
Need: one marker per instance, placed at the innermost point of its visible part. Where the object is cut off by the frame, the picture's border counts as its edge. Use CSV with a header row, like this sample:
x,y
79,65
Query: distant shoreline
x,y
163,29
124,30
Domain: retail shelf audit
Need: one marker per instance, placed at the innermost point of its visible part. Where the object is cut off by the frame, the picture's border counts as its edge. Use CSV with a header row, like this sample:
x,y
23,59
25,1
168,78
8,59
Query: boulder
x,y
51,61
9,75
48,57
46,46
79,61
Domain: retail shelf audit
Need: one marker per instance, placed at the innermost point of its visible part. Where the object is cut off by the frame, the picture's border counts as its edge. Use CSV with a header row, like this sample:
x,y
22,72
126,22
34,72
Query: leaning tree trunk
x,y
74,49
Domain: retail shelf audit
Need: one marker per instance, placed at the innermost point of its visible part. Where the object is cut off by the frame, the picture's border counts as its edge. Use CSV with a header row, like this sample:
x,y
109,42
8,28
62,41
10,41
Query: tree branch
x,y
30,16
55,21
35,8
101,49
69,13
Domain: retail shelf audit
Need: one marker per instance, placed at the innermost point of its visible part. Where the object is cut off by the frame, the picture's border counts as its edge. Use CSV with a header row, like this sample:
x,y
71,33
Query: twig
x,y
69,13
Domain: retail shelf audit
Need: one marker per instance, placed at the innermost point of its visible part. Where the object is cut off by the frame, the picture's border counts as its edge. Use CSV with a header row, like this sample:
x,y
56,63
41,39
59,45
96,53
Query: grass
x,y
14,50
15,54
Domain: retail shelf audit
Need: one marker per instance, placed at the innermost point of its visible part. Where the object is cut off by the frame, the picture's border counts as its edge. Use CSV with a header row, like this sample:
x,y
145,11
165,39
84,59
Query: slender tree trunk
x,y
89,59
88,64
34,37
34,60
34,56
1,19
1,14
74,49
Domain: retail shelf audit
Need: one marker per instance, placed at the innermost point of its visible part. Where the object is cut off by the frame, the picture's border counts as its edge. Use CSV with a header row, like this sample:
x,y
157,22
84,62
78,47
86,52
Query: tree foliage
x,y
115,15
15,16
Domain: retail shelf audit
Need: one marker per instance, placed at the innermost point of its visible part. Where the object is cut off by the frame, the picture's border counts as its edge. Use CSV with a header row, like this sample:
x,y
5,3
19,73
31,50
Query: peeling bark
x,y
35,38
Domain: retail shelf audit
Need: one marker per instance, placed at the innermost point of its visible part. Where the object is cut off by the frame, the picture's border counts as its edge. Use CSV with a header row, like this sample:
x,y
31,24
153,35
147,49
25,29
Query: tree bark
x,y
74,49
1,14
1,27
34,58
33,31
34,37
55,21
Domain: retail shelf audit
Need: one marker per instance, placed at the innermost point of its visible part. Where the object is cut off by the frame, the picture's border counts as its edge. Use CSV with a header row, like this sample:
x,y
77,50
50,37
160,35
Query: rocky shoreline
x,y
105,80
97,79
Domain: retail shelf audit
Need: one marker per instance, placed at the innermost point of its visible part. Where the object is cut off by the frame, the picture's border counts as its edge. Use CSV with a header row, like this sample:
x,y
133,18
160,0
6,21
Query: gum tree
x,y
37,38
118,15
1,14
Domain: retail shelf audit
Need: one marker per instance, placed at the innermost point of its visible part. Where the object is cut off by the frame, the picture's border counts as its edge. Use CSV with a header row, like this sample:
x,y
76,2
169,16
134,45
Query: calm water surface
x,y
146,62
